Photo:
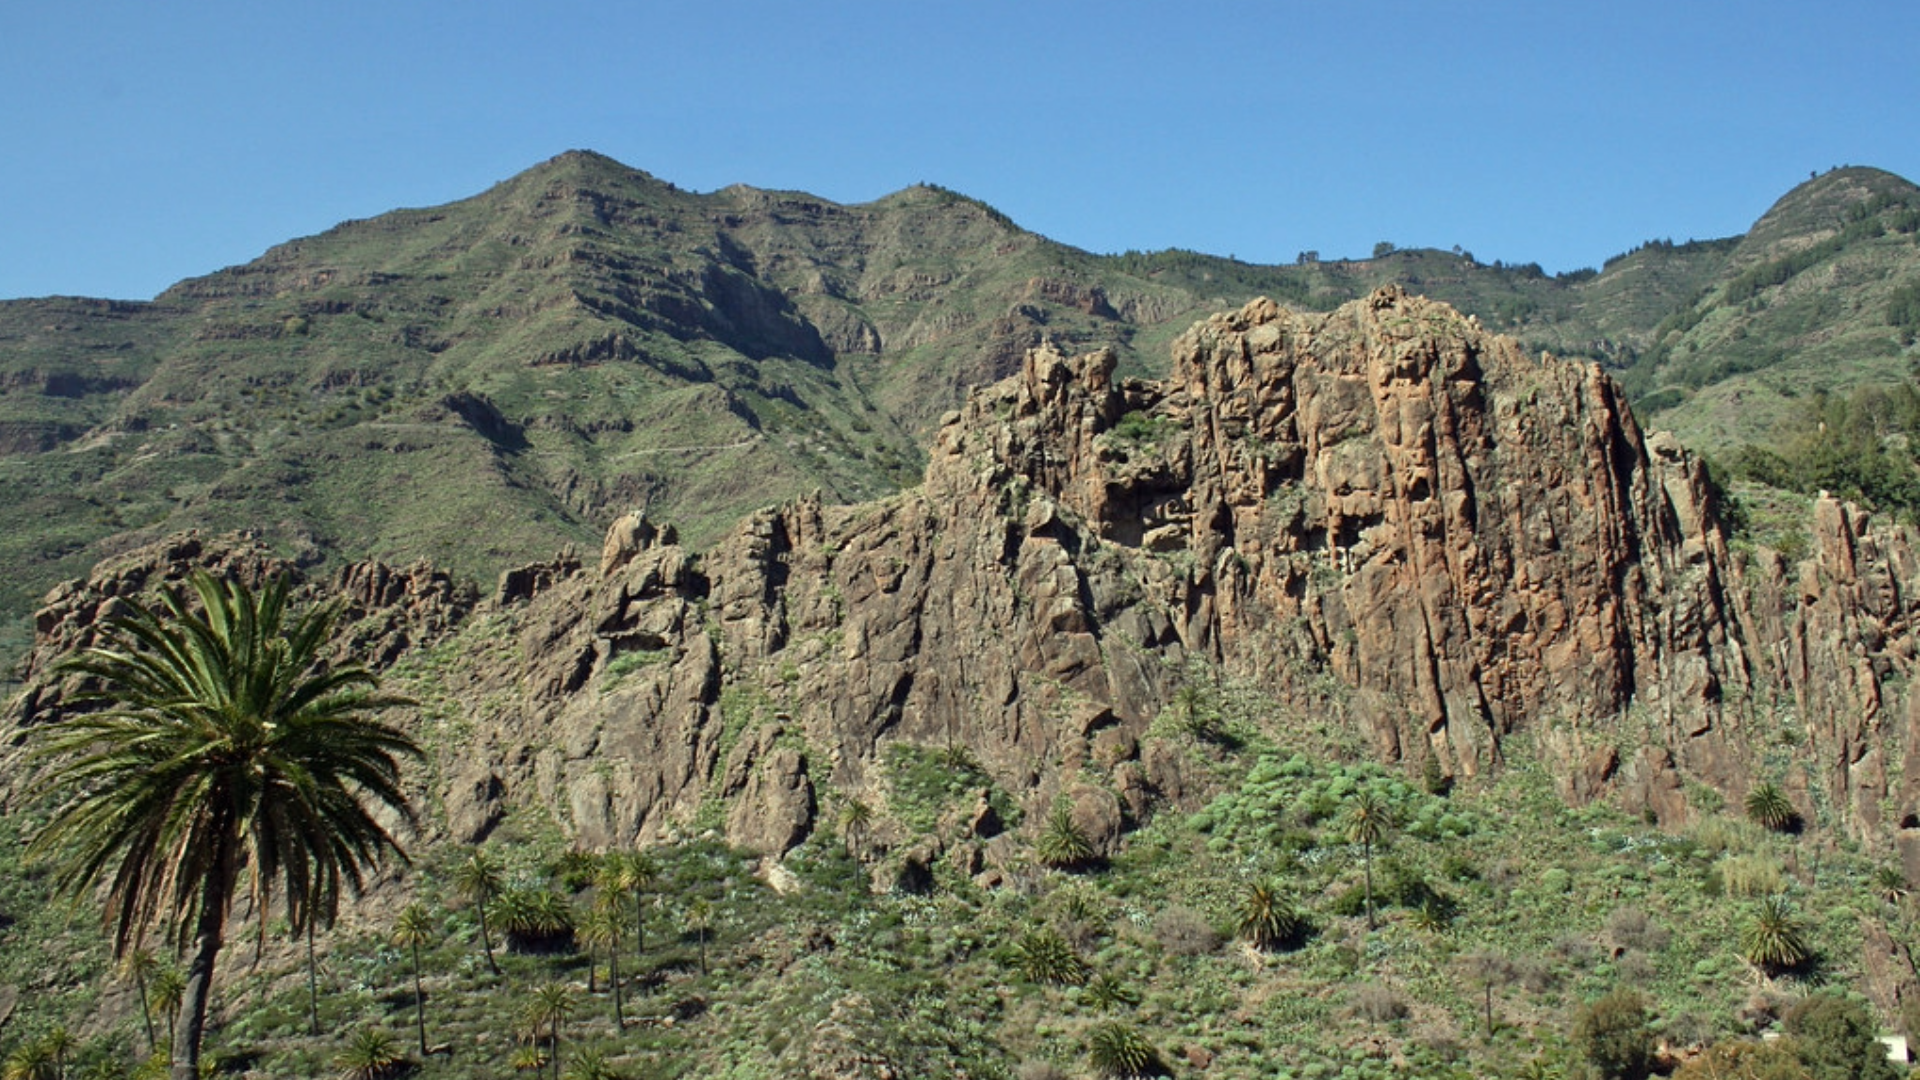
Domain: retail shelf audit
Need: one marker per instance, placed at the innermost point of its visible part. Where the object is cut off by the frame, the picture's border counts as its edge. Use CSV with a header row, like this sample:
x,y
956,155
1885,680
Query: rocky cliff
x,y
1385,514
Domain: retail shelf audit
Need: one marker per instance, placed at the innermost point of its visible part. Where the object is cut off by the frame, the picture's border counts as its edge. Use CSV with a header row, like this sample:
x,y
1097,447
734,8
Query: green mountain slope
x,y
1804,303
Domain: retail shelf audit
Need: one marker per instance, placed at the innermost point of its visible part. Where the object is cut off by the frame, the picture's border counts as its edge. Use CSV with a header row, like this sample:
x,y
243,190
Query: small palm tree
x,y
371,1054
31,1060
1768,807
1043,956
479,880
169,990
1117,1049
552,1006
1773,941
140,965
1268,921
227,758
411,930
1063,844
1369,820
1891,883
591,1065
530,1057
1107,992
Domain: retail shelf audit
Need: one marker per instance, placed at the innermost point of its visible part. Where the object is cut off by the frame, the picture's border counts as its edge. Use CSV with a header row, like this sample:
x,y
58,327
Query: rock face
x,y
1384,513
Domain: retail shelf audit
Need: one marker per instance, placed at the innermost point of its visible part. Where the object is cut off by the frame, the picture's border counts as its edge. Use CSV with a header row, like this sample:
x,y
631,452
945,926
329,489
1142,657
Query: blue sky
x,y
151,141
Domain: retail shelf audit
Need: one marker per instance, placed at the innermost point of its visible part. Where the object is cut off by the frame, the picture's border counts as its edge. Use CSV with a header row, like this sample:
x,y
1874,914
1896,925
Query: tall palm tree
x,y
603,926
141,965
226,757
479,880
324,906
635,872
411,930
855,818
1368,821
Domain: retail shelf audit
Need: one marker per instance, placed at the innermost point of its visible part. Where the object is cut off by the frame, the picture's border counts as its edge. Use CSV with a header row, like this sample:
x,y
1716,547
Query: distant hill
x,y
482,382
1805,302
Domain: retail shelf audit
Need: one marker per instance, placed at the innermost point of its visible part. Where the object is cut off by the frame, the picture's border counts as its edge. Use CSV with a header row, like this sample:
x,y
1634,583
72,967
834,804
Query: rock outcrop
x,y
1384,513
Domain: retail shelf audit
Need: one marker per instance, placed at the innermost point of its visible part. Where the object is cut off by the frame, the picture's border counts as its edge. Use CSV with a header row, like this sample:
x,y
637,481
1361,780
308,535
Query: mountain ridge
x,y
585,337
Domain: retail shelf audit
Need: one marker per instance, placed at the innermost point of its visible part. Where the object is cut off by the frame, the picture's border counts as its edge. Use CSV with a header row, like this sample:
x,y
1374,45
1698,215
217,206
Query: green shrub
x,y
1613,1032
1836,1039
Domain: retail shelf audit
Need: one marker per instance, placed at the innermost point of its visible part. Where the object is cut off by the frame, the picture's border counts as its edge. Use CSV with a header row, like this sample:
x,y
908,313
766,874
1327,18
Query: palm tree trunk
x,y
613,976
419,1004
1367,850
313,983
486,939
593,970
146,1011
192,1018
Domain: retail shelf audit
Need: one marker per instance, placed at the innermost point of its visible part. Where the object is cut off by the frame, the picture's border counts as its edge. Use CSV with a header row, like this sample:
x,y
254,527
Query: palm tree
x,y
603,928
552,1006
855,818
1769,808
1117,1049
323,906
1045,957
700,923
479,880
1368,821
1063,844
226,757
1773,941
591,1065
371,1054
169,990
635,873
1268,921
411,930
1891,883
60,1042
597,931
31,1060
140,965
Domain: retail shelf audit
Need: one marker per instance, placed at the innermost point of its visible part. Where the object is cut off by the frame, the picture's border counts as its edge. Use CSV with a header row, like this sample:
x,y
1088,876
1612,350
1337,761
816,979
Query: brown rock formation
x,y
1384,511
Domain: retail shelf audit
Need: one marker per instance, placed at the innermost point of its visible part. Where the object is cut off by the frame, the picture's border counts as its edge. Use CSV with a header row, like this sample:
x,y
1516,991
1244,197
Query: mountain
x,y
481,383
1182,620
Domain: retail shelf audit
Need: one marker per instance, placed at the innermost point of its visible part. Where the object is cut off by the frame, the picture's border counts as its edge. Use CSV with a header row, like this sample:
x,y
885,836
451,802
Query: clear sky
x,y
152,140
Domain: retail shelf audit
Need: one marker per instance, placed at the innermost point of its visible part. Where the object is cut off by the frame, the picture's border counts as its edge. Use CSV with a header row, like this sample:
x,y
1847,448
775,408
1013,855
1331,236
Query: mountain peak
x,y
1820,205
